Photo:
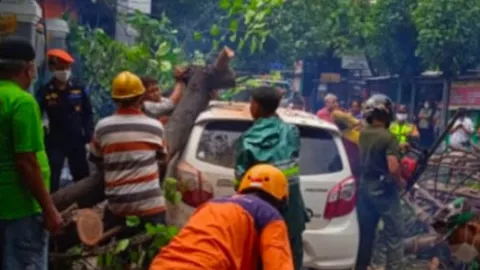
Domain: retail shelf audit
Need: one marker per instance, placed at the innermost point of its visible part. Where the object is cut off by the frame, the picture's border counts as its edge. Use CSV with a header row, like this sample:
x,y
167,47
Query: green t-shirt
x,y
375,144
21,132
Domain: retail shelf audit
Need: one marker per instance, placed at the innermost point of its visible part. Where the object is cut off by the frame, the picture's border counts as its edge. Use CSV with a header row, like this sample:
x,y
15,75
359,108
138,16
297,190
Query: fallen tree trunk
x,y
85,193
202,82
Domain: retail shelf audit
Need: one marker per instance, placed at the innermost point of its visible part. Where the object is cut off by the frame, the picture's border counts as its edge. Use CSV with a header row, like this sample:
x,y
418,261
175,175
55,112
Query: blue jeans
x,y
23,244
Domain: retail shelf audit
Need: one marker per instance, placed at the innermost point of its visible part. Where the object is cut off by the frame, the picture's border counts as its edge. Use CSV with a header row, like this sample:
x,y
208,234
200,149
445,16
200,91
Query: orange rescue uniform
x,y
241,232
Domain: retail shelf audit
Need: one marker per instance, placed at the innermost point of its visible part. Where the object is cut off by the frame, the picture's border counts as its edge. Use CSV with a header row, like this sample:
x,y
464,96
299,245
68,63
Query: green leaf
x,y
241,44
233,38
121,245
214,30
224,4
150,229
178,198
215,44
165,66
253,45
197,36
233,25
163,49
132,221
172,231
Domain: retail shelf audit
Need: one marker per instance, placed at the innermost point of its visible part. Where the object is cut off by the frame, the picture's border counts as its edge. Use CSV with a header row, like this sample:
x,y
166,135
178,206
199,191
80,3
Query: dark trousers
x,y
374,203
74,152
427,136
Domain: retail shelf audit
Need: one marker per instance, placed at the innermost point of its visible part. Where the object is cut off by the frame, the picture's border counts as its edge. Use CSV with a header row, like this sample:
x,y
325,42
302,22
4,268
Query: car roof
x,y
224,110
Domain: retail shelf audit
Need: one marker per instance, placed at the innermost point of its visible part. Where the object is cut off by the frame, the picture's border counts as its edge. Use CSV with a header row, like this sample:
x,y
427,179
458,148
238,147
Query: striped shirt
x,y
127,146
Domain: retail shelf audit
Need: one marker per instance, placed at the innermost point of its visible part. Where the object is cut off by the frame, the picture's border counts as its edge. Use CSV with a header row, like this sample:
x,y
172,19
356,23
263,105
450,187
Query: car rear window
x,y
318,153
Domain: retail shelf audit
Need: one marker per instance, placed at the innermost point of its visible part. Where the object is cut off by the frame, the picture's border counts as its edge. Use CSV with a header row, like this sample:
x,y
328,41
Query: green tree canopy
x,y
392,37
448,34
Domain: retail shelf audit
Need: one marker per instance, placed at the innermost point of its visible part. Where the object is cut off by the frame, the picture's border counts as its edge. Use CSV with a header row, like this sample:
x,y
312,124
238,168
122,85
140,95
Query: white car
x,y
205,170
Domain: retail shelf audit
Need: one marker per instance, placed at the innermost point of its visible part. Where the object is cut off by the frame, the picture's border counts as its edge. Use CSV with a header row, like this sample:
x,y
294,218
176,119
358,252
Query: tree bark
x,y
85,193
201,84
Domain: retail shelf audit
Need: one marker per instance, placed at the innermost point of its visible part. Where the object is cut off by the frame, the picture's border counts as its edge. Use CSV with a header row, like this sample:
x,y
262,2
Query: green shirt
x,y
21,132
376,143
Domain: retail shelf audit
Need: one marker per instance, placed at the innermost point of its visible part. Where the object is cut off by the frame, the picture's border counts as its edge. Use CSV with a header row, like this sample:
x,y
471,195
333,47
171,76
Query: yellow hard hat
x,y
127,85
267,178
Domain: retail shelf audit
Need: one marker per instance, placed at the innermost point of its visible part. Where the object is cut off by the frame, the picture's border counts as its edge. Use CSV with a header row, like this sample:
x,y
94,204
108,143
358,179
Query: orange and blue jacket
x,y
241,232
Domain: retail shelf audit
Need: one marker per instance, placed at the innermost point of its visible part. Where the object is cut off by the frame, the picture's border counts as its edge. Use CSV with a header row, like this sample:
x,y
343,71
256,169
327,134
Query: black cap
x,y
16,49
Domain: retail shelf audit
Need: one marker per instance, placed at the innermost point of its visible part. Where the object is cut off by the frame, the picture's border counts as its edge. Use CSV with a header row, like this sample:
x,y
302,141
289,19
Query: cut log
x,y
195,99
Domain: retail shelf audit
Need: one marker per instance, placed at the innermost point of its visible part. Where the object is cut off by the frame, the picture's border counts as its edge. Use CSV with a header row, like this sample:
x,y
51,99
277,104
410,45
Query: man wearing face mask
x,y
402,129
70,118
425,125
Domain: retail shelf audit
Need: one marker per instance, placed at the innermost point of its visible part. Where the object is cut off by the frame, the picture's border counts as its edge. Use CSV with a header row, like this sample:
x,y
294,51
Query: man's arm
x,y
28,140
415,134
87,116
95,154
177,93
393,162
275,247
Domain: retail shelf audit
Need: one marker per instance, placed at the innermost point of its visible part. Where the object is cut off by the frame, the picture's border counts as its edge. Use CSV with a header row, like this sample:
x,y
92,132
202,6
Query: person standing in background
x,y
26,207
426,125
437,117
403,130
356,109
331,103
70,119
461,131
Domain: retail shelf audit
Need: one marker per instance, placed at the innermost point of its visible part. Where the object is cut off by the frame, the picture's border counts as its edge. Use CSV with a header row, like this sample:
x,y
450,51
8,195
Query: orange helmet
x,y
267,178
59,54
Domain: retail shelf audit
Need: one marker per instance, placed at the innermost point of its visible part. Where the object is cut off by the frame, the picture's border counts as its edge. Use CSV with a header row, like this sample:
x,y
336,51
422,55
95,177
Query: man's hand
x,y
404,147
53,220
180,74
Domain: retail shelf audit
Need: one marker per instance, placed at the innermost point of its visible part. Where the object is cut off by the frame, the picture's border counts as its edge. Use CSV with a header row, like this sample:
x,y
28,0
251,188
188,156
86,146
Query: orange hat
x,y
61,55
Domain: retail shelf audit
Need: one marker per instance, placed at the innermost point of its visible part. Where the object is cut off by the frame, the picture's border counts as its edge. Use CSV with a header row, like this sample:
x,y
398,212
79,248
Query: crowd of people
x,y
127,148
260,226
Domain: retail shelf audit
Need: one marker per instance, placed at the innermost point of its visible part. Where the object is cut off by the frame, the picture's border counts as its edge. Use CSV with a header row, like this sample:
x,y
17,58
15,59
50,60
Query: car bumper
x,y
333,247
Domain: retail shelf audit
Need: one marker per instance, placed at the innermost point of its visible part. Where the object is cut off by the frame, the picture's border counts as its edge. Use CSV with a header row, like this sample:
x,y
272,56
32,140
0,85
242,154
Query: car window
x,y
318,154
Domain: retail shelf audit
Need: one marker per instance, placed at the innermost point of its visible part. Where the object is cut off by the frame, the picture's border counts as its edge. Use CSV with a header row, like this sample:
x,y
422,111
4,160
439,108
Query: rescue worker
x,y
379,186
242,232
70,118
403,130
272,141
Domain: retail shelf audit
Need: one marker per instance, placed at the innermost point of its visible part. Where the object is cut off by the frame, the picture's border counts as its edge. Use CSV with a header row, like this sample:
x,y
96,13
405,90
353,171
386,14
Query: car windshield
x,y
219,139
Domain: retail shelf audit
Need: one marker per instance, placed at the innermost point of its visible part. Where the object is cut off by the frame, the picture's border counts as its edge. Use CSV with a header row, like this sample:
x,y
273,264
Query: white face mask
x,y
401,116
62,75
464,252
426,105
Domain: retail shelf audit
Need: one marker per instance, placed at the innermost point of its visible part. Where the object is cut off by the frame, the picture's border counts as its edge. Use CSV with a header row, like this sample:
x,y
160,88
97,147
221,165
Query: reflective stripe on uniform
x,y
401,131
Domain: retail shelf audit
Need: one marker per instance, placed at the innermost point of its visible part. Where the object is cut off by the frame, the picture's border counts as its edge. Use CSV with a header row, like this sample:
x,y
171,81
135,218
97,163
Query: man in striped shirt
x,y
126,147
